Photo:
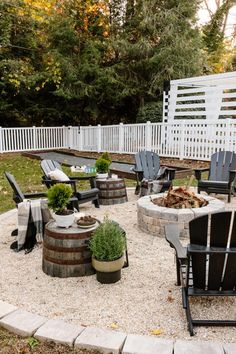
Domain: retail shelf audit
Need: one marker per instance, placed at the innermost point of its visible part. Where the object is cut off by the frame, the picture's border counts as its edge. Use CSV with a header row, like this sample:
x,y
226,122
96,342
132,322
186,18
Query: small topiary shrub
x,y
107,157
107,242
58,197
102,165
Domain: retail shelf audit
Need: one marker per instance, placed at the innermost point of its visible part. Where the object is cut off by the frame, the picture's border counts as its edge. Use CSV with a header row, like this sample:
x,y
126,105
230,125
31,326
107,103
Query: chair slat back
x,y
49,165
198,236
214,271
229,281
221,163
220,225
149,163
16,189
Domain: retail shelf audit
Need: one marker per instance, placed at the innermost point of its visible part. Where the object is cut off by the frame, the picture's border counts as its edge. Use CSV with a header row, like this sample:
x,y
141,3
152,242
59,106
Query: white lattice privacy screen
x,y
210,97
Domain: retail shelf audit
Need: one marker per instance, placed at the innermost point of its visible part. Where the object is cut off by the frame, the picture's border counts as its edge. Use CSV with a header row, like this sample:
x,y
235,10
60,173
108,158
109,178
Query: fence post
x,y
80,132
121,137
181,141
1,141
99,137
34,138
70,137
148,136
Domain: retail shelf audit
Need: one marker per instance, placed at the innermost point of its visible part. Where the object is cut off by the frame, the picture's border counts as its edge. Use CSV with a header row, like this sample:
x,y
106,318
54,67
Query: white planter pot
x,y
109,266
64,220
102,175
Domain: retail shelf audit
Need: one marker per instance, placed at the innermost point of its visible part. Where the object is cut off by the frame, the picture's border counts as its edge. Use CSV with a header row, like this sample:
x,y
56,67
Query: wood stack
x,y
180,198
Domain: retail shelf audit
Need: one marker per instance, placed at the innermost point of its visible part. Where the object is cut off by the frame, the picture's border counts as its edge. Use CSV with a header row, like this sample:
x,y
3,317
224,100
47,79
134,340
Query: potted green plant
x,y
58,198
102,167
107,246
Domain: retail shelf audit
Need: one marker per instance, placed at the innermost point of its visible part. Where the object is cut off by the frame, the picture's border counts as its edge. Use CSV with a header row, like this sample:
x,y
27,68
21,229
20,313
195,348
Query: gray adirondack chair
x,y
221,176
147,165
80,196
202,269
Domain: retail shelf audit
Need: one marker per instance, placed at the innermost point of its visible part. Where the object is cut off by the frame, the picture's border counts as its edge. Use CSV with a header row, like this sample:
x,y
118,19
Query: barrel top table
x,y
66,252
111,191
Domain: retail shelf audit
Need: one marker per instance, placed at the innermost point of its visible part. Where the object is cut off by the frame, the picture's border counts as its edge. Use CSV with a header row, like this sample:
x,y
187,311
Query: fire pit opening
x,y
180,198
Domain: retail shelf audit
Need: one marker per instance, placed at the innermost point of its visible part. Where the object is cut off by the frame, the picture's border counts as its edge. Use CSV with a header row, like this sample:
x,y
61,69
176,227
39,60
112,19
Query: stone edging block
x,y
6,308
22,322
137,344
184,347
109,342
58,331
230,348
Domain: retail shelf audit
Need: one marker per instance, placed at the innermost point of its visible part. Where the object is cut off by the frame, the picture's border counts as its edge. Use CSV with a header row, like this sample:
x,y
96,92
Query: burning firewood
x,y
180,198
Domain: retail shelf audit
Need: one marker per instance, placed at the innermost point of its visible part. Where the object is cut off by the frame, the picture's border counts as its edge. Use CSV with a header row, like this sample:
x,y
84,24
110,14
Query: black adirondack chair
x,y
222,174
147,166
81,196
207,267
19,196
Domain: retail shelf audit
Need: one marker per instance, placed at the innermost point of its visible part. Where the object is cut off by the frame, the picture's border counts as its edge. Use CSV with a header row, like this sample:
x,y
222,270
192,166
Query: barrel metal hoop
x,y
66,262
62,236
64,249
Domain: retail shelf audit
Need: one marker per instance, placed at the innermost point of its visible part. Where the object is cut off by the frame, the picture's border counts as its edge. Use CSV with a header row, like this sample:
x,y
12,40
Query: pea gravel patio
x,y
145,299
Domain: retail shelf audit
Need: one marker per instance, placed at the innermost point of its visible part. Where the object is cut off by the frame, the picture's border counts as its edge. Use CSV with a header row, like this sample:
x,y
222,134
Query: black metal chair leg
x,y
188,315
178,271
126,264
96,203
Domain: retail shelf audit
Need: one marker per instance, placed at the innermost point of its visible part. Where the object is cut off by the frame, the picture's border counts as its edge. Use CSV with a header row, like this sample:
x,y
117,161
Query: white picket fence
x,y
183,139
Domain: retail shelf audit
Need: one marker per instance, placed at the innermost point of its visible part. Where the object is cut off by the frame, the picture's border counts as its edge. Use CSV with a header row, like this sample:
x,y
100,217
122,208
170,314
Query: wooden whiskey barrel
x,y
65,251
111,191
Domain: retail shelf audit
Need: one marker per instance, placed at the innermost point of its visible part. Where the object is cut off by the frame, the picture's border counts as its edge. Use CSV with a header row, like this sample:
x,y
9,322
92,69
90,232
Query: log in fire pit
x,y
180,198
154,214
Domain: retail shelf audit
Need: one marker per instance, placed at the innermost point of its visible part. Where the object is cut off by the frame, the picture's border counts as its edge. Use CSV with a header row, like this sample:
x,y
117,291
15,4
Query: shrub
x,y
107,157
58,197
107,242
102,165
151,111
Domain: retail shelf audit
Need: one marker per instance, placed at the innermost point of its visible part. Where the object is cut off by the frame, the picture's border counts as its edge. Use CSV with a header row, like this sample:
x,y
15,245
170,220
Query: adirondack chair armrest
x,y
51,182
35,195
91,179
171,173
198,172
232,175
172,237
139,173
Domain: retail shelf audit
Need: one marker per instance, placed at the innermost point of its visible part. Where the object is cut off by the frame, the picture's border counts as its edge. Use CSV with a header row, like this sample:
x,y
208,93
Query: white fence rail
x,y
190,139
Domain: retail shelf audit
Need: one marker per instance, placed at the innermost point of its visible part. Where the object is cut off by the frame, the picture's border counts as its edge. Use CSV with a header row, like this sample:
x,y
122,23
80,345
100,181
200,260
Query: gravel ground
x,y
145,299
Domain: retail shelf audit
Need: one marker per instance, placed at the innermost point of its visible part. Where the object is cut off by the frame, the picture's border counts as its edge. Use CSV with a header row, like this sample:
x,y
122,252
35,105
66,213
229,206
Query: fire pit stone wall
x,y
153,218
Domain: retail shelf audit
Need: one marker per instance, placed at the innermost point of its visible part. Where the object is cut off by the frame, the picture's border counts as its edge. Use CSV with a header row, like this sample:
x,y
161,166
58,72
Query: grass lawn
x,y
13,344
27,173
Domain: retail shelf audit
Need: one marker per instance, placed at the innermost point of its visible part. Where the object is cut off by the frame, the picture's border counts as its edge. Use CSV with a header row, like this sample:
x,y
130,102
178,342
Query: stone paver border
x,y
106,341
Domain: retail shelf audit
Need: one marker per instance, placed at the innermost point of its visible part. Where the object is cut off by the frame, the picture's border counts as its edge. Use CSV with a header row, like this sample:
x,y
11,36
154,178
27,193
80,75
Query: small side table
x,y
111,191
66,252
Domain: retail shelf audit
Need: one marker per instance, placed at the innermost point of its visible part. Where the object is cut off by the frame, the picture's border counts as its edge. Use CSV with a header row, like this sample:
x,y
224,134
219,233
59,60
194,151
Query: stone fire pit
x,y
152,218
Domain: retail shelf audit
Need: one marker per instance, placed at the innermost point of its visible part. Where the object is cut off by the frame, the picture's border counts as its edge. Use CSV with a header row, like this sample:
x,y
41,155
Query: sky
x,y
204,16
